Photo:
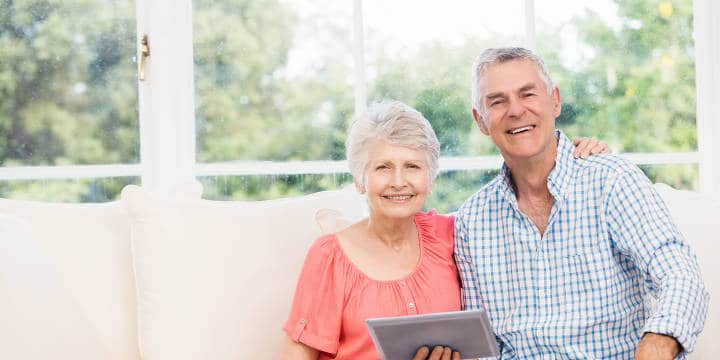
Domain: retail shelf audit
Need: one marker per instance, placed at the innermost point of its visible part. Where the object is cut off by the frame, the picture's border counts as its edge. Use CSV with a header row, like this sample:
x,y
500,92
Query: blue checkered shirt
x,y
610,266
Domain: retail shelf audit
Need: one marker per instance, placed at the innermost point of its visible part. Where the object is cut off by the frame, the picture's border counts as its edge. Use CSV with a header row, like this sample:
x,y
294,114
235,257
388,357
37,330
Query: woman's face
x,y
397,180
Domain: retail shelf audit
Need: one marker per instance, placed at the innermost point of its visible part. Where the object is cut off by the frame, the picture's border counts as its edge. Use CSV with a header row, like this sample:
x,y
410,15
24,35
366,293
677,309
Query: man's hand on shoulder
x,y
654,346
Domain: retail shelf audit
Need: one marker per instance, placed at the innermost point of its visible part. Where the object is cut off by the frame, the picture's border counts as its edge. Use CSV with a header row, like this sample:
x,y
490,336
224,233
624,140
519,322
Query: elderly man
x,y
572,258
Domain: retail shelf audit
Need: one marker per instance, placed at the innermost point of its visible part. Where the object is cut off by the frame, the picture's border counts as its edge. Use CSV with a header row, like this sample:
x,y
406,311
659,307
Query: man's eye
x,y
496,102
413,166
528,94
381,167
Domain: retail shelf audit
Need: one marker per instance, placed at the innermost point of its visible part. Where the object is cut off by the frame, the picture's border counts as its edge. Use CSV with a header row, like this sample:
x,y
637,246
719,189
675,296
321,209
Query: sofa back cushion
x,y
215,279
89,247
40,317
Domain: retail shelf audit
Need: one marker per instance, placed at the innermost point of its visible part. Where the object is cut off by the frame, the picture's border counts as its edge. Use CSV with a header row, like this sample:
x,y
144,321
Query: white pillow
x,y
215,279
333,220
40,318
90,247
696,218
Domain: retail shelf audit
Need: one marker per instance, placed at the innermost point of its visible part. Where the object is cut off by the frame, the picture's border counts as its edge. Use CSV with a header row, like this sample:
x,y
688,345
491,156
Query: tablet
x,y
469,332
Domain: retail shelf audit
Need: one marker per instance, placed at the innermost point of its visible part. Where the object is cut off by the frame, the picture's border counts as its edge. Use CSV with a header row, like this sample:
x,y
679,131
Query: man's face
x,y
519,114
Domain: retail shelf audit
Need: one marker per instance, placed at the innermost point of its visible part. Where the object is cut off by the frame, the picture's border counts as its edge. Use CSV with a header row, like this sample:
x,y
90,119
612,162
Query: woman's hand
x,y
438,353
585,147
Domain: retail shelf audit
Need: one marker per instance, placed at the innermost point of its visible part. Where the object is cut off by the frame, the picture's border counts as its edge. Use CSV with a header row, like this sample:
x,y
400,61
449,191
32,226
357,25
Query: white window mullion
x,y
68,172
166,106
530,36
707,79
359,56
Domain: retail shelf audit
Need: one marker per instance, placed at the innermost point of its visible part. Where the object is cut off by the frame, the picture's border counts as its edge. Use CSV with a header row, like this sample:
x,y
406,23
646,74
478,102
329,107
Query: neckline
x,y
411,274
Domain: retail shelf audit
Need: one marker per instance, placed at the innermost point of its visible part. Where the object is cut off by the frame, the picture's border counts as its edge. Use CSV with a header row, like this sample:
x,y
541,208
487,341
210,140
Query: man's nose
x,y
515,108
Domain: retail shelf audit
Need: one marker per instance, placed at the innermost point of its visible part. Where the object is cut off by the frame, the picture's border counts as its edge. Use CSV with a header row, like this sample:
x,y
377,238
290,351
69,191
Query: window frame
x,y
167,111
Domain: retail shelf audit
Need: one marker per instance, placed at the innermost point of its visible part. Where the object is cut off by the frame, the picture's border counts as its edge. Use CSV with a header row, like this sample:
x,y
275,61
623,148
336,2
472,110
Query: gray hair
x,y
501,55
396,123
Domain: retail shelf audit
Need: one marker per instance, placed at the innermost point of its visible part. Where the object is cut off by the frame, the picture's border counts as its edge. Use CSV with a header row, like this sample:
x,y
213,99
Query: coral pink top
x,y
333,297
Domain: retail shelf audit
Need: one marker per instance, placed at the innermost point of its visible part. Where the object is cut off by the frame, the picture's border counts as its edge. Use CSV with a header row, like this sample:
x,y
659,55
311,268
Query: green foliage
x,y
248,107
270,186
637,90
59,68
453,187
80,190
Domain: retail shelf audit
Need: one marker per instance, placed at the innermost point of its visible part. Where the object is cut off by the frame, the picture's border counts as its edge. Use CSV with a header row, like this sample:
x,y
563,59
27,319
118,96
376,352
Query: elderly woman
x,y
398,261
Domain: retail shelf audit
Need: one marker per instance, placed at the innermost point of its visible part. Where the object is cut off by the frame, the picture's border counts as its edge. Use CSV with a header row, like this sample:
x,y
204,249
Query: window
x,y
68,100
254,97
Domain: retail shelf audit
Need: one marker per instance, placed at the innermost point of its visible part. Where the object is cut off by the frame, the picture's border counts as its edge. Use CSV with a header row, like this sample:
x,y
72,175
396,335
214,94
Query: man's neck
x,y
529,175
529,179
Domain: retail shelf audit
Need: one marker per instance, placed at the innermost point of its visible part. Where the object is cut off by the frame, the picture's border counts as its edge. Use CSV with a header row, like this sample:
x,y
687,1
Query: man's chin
x,y
522,153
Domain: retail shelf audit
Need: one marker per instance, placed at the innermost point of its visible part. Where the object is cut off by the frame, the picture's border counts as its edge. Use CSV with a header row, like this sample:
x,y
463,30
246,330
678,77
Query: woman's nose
x,y
398,179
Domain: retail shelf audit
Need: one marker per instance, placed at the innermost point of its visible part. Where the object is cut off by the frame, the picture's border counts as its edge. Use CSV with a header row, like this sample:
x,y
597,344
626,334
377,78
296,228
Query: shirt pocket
x,y
574,281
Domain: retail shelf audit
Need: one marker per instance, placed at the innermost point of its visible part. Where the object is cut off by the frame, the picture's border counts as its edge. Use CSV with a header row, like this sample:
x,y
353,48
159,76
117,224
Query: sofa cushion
x,y
215,279
41,318
90,245
696,217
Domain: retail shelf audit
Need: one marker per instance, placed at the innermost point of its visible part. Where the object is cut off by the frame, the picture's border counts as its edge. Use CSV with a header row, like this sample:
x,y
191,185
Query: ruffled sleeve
x,y
439,228
316,313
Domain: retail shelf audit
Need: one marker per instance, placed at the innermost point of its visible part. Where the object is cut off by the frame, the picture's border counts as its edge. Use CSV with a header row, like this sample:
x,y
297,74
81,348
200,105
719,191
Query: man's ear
x,y
557,102
480,122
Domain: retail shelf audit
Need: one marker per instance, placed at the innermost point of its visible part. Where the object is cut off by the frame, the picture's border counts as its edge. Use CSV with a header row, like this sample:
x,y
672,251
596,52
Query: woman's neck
x,y
393,232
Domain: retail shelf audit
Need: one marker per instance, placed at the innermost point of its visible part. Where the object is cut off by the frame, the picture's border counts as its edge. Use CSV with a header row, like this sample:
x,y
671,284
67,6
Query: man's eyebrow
x,y
494,95
528,86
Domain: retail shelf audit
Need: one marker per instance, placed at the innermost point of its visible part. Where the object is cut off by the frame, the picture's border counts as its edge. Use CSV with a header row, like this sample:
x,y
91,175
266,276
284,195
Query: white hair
x,y
491,57
396,123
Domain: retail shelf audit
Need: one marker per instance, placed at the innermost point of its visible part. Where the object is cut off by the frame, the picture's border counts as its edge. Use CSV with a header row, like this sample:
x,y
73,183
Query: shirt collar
x,y
565,166
559,176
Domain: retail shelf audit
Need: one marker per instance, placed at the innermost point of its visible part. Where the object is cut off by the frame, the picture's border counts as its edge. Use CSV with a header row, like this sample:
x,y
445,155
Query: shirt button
x,y
302,321
411,305
402,284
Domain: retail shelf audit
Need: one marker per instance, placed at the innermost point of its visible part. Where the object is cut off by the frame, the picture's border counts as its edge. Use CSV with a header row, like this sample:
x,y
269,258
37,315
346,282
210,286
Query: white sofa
x,y
176,277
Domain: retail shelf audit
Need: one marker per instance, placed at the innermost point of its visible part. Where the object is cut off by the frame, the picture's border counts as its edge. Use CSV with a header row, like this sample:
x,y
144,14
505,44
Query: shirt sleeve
x,y
641,227
470,289
316,312
441,225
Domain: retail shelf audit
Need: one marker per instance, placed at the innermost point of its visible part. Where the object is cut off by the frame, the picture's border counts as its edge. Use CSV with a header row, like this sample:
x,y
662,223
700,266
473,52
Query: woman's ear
x,y
360,188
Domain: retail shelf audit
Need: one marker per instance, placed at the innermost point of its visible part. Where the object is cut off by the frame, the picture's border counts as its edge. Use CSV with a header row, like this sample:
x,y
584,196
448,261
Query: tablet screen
x,y
469,332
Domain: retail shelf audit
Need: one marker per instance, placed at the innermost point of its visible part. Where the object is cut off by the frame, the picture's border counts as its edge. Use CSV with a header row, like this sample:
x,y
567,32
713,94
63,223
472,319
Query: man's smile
x,y
520,130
